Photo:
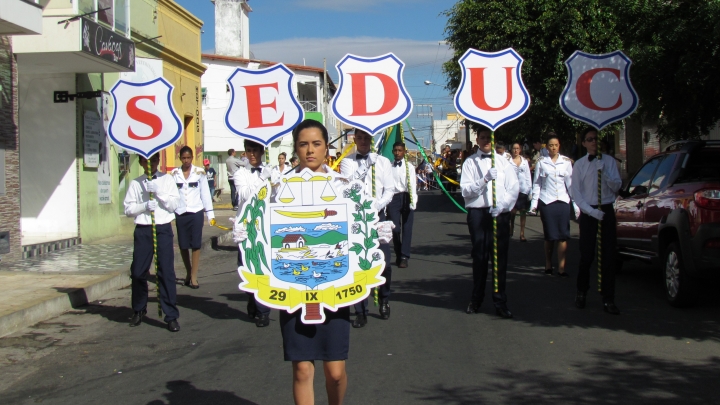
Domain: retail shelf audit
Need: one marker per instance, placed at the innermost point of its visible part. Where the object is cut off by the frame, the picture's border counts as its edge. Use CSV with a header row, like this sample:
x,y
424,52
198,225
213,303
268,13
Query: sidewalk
x,y
40,288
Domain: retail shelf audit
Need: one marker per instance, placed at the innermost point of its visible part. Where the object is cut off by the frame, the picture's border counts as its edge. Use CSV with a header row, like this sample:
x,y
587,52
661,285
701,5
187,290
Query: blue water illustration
x,y
310,272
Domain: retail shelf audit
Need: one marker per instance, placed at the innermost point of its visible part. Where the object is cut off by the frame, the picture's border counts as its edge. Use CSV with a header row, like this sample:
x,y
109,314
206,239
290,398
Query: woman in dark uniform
x,y
551,194
329,341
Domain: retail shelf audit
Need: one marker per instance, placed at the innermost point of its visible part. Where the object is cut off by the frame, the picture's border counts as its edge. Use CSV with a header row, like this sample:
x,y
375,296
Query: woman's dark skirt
x,y
189,229
555,219
523,203
328,341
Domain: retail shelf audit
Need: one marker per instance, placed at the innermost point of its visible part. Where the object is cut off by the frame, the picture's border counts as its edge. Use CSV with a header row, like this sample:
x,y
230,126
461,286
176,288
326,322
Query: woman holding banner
x,y
328,341
551,195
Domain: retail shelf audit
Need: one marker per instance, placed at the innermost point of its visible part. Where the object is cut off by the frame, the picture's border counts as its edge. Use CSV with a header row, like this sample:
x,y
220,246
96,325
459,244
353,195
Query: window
x,y
642,178
106,16
122,20
117,15
662,174
204,95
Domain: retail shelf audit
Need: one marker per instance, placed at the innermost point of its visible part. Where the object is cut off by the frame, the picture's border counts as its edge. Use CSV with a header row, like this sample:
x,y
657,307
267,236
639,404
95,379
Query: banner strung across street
x,y
598,91
144,119
262,104
491,89
315,248
371,94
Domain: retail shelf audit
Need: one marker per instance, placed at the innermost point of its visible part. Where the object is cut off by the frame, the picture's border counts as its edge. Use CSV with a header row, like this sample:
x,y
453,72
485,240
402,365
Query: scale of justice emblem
x,y
313,248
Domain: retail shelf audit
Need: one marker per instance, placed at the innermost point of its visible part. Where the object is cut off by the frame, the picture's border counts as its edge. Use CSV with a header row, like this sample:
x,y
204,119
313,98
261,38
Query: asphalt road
x,y
429,352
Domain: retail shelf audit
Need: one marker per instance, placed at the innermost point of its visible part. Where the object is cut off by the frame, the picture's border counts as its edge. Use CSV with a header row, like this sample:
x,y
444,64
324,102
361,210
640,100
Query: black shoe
x,y
137,317
173,326
473,308
563,274
360,321
549,271
580,300
503,312
262,320
403,263
611,308
385,310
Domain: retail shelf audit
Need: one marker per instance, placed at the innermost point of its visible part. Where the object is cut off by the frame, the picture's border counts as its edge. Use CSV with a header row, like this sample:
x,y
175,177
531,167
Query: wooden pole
x,y
494,202
154,236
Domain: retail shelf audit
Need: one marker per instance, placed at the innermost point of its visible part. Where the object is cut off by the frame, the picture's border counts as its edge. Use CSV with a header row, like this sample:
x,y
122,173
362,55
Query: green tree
x,y
545,33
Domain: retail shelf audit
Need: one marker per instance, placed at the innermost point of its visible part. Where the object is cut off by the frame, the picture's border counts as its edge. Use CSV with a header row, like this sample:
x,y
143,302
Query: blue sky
x,y
292,30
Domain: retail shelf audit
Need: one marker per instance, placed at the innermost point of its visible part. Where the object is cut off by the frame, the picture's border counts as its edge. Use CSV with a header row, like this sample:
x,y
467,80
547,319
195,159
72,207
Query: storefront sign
x,y
103,173
106,44
93,134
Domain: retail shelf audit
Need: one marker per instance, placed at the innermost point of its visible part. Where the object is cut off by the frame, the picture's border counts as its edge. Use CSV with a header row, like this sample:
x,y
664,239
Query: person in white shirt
x,y
522,169
476,186
375,172
248,180
282,166
194,190
594,211
139,206
551,194
500,150
401,209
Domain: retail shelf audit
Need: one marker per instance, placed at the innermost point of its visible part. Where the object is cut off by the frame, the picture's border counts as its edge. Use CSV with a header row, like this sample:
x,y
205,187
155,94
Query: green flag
x,y
392,134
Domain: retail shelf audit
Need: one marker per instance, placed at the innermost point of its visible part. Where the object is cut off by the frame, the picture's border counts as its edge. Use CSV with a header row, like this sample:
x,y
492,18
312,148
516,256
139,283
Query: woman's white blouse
x,y
552,181
523,174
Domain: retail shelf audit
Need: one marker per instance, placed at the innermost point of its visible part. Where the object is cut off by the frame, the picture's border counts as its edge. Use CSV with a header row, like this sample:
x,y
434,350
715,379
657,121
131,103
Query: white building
x,y
447,131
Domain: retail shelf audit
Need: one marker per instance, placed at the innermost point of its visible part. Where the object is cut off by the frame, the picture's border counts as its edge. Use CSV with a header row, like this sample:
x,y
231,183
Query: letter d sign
x,y
371,94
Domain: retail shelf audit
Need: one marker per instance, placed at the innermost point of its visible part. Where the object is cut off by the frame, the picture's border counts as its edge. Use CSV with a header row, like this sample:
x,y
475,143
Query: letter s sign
x,y
144,119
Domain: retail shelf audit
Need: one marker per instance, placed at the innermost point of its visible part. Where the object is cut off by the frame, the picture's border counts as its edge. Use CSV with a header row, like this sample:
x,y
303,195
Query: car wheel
x,y
679,288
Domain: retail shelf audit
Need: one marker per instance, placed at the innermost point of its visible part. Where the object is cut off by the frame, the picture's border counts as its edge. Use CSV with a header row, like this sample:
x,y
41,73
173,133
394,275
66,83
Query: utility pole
x,y
432,123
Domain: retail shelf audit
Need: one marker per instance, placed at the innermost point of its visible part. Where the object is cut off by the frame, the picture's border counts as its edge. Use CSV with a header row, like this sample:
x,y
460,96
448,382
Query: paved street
x,y
429,352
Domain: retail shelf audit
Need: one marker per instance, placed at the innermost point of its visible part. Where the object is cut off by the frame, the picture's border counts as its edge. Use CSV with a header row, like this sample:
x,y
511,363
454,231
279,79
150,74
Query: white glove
x,y
597,214
150,186
577,210
151,205
384,230
266,173
372,158
491,174
239,233
495,211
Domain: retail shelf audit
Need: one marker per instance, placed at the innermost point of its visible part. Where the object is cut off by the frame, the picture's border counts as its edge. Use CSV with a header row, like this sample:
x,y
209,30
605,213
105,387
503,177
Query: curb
x,y
75,297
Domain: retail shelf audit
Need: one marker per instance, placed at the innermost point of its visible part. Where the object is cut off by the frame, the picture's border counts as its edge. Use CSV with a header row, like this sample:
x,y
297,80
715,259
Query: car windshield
x,y
703,165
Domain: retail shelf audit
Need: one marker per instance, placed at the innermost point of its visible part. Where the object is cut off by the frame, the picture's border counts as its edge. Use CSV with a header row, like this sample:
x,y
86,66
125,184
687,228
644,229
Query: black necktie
x,y
484,156
397,163
360,157
256,169
591,158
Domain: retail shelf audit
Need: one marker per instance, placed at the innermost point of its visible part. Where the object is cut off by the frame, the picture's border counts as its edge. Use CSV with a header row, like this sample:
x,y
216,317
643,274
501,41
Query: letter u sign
x,y
491,90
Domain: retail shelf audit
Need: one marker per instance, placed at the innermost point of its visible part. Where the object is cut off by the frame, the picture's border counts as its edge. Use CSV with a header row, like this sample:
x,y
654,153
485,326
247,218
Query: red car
x,y
669,213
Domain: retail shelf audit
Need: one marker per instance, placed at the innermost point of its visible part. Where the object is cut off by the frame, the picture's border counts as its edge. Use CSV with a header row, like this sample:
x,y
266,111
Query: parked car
x,y
669,214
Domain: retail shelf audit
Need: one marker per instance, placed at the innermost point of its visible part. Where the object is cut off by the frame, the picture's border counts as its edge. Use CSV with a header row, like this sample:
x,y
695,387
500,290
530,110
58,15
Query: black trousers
x,y
480,224
140,268
233,192
383,290
399,212
252,303
588,242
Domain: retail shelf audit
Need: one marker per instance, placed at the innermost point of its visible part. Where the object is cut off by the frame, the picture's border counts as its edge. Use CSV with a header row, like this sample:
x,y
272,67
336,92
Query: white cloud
x,y
349,5
313,50
291,229
327,227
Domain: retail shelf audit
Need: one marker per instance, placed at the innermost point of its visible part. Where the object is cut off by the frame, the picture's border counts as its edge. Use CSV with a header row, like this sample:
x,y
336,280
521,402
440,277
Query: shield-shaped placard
x,y
144,119
491,89
598,91
314,248
371,94
262,105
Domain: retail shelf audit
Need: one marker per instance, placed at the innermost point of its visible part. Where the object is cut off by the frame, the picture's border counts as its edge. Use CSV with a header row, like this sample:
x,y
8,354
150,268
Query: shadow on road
x,y
185,393
437,201
613,377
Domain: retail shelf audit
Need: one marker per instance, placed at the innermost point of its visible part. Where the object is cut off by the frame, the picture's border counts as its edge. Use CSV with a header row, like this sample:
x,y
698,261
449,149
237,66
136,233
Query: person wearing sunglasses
x,y
596,210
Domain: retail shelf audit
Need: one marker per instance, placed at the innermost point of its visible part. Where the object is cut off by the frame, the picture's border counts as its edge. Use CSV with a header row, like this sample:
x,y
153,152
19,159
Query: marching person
x,y
211,174
232,164
585,195
359,165
138,205
283,165
248,180
192,184
522,169
476,186
401,209
551,195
